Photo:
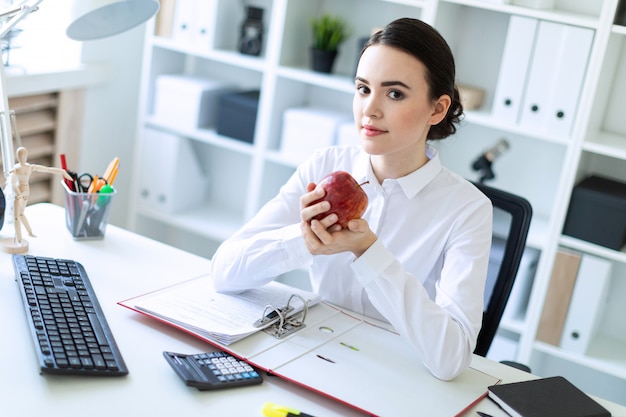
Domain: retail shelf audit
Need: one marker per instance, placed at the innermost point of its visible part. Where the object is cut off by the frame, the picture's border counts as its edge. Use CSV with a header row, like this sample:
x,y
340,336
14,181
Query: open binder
x,y
355,360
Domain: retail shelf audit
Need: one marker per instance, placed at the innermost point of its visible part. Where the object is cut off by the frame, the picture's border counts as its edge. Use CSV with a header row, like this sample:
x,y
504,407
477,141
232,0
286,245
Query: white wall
x,y
110,118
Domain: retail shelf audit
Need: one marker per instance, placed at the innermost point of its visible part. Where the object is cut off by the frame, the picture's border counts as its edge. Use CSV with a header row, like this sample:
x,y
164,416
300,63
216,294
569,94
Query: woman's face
x,y
392,108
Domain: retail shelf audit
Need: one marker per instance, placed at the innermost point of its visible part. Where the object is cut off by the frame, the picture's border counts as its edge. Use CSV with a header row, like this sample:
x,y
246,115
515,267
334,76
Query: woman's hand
x,y
326,237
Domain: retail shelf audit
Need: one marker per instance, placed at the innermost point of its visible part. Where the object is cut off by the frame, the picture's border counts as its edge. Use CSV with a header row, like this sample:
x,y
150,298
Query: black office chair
x,y
511,216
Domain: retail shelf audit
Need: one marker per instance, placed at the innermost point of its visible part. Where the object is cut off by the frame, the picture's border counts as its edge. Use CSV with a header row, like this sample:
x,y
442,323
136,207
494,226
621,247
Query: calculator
x,y
212,370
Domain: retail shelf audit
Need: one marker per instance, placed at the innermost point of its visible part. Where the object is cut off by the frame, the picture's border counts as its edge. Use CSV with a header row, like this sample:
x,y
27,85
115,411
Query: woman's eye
x,y
396,95
362,89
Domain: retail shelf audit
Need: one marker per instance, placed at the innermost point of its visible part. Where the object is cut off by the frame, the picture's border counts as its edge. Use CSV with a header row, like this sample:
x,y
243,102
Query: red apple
x,y
346,197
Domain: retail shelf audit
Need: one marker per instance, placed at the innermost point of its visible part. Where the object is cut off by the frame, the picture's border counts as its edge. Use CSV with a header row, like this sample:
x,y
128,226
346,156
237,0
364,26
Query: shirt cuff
x,y
372,263
293,244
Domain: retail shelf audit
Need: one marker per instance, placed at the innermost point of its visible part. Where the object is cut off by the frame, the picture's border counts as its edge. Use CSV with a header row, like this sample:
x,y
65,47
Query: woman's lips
x,y
370,130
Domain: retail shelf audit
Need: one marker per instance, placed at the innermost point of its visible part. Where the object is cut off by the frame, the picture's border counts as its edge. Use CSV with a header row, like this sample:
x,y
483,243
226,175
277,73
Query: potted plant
x,y
328,33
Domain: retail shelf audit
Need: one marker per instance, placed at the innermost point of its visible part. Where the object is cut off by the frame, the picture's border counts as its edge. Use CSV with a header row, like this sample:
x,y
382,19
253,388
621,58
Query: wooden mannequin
x,y
19,178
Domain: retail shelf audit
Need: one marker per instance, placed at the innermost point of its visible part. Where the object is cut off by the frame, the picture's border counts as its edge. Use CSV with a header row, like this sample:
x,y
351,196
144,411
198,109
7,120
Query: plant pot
x,y
323,61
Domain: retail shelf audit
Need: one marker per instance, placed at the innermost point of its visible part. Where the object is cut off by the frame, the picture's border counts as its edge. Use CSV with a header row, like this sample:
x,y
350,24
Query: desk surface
x,y
122,266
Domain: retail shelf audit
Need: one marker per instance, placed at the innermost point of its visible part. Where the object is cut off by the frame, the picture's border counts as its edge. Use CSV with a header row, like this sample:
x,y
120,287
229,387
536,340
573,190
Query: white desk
x,y
121,266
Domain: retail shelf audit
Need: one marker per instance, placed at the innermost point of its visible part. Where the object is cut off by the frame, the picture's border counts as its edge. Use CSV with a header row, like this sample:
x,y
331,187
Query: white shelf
x,y
208,136
484,118
608,144
601,251
331,81
605,354
570,17
210,221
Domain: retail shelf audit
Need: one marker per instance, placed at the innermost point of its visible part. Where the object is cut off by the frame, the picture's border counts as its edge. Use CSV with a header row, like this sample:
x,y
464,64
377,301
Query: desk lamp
x,y
92,19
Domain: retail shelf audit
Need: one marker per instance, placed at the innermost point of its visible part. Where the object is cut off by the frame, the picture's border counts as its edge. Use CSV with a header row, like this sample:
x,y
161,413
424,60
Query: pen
x,y
481,414
111,168
69,183
275,410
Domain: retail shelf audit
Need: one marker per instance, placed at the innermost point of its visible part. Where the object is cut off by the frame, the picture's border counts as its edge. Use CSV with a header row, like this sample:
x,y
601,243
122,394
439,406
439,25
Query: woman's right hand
x,y
309,210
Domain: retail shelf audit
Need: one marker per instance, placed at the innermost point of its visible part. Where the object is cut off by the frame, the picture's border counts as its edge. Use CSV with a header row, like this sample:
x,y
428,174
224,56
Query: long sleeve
x,y
443,329
268,246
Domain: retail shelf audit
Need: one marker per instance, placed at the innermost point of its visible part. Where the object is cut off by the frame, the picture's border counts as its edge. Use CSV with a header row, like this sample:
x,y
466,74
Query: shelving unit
x,y
541,166
47,124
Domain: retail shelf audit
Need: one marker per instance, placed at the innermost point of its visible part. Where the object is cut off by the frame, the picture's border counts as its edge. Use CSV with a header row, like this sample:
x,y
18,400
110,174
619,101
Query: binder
x,y
517,54
165,19
355,360
558,297
203,24
569,81
170,176
555,78
585,309
184,11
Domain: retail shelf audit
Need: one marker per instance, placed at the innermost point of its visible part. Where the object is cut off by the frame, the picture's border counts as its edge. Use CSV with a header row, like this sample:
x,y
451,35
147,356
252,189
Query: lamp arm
x,y
17,14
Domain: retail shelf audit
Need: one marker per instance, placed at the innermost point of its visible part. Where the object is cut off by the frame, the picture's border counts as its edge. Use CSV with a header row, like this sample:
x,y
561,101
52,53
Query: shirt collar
x,y
412,183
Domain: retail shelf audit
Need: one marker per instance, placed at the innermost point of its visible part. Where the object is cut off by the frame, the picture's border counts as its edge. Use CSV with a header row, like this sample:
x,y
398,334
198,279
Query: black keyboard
x,y
70,331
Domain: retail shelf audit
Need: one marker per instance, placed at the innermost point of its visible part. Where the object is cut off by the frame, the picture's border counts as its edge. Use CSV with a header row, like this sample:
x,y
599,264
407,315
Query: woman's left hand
x,y
320,240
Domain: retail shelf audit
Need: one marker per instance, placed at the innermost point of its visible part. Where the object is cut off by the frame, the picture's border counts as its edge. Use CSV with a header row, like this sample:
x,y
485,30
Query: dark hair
x,y
427,45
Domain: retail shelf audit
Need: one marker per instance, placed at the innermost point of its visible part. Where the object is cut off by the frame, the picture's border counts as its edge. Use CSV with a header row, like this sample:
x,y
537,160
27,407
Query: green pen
x,y
104,200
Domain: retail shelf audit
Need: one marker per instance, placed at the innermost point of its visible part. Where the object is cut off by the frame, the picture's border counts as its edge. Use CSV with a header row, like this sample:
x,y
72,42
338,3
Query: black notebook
x,y
545,397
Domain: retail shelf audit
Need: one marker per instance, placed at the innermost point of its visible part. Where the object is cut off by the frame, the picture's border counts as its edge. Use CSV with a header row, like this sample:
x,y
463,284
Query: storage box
x,y
306,129
597,212
236,114
186,102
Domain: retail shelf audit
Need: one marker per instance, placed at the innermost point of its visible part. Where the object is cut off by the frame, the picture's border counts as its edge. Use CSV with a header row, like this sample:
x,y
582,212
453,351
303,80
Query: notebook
x,y
553,396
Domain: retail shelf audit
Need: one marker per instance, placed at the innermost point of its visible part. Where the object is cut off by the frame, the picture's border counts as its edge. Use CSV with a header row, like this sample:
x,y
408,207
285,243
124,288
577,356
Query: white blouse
x,y
425,274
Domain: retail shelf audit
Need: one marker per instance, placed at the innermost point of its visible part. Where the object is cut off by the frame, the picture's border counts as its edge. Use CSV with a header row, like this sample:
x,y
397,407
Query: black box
x,y
236,114
597,212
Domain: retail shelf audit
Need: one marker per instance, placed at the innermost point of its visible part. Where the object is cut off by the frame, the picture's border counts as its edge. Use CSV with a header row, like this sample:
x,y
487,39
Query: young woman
x,y
418,257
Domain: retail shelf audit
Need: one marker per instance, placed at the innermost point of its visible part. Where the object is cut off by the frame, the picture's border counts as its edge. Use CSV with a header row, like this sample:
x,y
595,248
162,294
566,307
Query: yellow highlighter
x,y
275,410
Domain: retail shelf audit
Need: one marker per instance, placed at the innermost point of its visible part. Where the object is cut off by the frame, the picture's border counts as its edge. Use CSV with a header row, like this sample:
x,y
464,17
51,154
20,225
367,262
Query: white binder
x,y
514,68
182,27
170,177
569,80
203,24
557,69
585,309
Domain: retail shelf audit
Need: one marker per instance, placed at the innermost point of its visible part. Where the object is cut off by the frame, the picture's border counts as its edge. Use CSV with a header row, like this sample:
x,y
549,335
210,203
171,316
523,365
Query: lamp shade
x,y
96,19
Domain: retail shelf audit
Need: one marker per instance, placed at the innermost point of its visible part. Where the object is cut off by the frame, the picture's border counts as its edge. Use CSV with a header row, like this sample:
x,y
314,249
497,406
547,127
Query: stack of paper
x,y
197,308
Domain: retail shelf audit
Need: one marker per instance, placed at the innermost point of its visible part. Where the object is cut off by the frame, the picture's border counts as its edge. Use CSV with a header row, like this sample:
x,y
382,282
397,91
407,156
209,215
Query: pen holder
x,y
87,214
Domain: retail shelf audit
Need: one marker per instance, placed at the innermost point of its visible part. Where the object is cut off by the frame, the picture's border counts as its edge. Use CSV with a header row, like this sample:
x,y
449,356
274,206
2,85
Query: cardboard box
x,y
236,114
306,129
597,212
186,102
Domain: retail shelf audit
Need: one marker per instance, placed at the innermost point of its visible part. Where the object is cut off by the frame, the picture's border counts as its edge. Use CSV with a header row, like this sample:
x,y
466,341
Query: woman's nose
x,y
371,107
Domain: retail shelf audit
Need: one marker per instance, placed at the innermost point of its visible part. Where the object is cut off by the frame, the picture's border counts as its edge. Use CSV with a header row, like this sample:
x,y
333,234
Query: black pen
x,y
481,414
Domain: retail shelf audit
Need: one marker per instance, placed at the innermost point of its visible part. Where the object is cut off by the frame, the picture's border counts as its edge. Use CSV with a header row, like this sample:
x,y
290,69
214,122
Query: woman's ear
x,y
440,109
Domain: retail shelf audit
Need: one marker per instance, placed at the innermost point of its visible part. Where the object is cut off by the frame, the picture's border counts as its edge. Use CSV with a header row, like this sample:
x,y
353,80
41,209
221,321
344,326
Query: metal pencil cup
x,y
87,214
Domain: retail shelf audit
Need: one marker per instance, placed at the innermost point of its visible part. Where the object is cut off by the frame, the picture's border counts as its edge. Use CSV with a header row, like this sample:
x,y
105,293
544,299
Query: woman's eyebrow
x,y
385,83
394,83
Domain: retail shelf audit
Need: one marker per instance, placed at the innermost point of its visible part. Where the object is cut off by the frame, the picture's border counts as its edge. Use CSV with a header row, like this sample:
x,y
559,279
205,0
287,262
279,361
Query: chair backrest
x,y
511,221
